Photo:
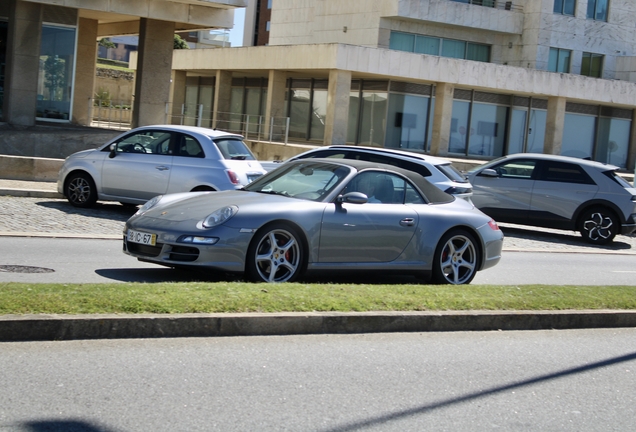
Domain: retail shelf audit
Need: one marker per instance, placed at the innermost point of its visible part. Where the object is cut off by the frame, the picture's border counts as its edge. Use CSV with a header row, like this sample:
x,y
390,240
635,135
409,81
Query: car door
x,y
560,188
370,232
504,191
141,166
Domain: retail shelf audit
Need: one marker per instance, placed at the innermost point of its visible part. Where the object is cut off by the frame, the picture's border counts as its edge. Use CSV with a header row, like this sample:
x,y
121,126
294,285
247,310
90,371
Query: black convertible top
x,y
432,193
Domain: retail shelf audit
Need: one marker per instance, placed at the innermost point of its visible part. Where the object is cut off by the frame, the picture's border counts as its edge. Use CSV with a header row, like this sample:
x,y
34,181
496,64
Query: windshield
x,y
234,149
310,180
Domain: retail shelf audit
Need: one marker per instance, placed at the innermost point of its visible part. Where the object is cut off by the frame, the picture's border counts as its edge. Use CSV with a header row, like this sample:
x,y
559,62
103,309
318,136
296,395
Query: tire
x,y
456,259
80,190
598,225
276,254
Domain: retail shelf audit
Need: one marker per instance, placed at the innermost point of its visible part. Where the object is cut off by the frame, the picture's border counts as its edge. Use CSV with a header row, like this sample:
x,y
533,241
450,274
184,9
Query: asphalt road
x,y
569,380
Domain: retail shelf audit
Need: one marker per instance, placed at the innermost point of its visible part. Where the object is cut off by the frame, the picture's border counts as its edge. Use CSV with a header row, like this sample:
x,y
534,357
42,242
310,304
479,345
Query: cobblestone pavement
x,y
47,217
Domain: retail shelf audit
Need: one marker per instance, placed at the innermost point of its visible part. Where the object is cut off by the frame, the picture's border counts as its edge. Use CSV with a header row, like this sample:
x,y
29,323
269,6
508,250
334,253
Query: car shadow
x,y
102,210
568,238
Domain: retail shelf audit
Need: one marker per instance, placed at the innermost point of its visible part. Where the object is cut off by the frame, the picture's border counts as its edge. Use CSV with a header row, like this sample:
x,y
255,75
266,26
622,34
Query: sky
x,y
236,34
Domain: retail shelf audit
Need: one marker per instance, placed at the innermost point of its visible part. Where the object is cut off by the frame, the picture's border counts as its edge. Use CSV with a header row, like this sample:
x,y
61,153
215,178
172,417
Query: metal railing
x,y
251,126
496,4
110,114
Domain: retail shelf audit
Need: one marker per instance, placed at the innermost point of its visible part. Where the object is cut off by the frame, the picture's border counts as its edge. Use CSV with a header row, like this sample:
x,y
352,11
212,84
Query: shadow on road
x,y
102,210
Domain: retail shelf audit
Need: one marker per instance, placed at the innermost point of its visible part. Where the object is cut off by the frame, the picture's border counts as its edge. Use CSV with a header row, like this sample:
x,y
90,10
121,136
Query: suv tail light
x,y
454,190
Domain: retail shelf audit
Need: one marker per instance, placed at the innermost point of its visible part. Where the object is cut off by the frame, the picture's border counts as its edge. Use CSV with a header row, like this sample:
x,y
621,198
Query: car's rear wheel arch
x,y
600,204
292,228
203,188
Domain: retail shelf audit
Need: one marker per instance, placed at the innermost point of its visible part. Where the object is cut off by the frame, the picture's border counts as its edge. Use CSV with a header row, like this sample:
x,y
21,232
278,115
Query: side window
x,y
188,146
564,172
379,187
520,169
335,154
147,141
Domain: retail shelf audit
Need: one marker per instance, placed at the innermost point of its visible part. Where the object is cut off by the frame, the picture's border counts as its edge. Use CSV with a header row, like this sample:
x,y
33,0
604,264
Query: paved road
x,y
48,217
573,380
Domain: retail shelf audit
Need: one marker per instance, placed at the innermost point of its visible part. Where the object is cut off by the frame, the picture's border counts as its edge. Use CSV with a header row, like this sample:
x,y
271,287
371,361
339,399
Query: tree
x,y
106,43
179,43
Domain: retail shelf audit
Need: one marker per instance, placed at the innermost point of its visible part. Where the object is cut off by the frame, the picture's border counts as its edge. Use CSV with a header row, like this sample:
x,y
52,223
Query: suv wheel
x,y
598,225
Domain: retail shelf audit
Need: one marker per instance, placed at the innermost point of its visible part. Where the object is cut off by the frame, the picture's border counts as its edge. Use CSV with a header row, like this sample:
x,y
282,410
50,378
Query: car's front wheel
x,y
598,225
80,190
275,255
456,258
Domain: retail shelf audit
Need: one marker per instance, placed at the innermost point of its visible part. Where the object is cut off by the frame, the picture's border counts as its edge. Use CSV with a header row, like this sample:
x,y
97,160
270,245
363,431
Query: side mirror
x,y
489,172
113,152
353,198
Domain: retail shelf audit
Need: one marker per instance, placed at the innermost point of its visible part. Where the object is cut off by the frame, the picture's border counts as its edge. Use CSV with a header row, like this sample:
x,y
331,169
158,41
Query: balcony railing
x,y
496,4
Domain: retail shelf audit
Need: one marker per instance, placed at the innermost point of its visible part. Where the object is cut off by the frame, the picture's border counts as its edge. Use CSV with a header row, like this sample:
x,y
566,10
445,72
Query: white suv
x,y
438,171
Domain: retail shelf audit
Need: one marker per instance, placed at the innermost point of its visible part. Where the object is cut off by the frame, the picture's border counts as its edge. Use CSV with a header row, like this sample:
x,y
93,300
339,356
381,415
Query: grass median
x,y
197,297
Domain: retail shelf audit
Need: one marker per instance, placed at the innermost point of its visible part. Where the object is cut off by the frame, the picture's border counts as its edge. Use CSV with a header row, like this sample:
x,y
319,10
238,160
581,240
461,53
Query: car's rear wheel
x,y
81,191
275,255
456,258
598,225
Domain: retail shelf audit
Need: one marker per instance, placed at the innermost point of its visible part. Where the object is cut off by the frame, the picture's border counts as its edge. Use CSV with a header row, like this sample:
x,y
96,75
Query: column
x,y
22,63
222,99
275,106
86,61
338,96
154,69
555,120
442,117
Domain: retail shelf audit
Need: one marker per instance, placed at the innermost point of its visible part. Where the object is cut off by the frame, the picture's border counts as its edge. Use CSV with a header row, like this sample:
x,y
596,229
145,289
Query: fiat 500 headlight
x,y
219,216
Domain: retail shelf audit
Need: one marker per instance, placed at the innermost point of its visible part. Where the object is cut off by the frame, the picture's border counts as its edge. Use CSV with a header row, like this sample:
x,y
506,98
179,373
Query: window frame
x,y
560,6
559,52
590,65
593,10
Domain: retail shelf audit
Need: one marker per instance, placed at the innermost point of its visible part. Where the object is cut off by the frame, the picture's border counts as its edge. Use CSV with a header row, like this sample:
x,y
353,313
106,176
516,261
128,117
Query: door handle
x,y
407,222
162,168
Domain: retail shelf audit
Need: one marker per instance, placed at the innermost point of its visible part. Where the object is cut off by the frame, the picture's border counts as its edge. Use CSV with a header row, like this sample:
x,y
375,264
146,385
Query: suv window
x,y
520,169
563,172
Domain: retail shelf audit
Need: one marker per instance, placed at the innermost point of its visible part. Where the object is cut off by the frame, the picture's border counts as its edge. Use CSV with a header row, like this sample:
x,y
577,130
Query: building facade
x,y
466,78
49,47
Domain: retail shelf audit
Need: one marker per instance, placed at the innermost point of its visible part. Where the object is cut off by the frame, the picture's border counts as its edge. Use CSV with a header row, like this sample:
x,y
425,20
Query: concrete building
x,y
468,78
47,68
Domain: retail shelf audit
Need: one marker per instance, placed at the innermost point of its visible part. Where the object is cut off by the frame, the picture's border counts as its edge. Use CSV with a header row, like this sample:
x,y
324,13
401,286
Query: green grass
x,y
193,297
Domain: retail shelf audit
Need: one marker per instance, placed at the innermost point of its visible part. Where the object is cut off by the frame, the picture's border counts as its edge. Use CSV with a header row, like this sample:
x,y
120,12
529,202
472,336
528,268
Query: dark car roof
x,y
430,191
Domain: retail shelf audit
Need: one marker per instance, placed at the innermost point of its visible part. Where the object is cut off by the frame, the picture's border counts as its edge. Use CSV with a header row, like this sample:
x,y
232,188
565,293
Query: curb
x,y
30,193
77,327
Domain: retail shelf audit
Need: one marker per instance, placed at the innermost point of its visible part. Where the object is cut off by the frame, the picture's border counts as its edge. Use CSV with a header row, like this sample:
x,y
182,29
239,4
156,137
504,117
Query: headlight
x,y
149,204
219,216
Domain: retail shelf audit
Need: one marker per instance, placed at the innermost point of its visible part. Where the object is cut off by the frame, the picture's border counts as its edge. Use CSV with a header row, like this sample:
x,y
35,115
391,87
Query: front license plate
x,y
142,238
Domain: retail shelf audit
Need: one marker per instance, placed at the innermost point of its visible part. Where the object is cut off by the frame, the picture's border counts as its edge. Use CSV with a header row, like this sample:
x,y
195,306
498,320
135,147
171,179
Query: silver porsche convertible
x,y
319,215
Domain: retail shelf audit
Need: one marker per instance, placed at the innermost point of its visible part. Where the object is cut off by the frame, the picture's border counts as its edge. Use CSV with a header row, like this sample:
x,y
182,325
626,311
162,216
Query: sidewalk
x,y
34,189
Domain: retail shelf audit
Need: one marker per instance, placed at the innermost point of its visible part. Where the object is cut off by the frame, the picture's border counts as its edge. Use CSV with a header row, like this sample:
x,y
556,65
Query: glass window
x,y
236,111
189,147
402,41
427,45
234,149
592,65
3,49
147,141
578,135
517,130
520,169
488,130
536,131
319,115
379,187
299,113
565,7
563,172
478,52
613,141
597,9
374,105
252,108
55,80
459,127
354,111
407,121
453,48
559,60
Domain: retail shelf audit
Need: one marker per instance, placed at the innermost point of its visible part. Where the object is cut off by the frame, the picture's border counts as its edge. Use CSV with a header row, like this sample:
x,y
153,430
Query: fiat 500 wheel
x,y
275,255
598,226
456,258
81,191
